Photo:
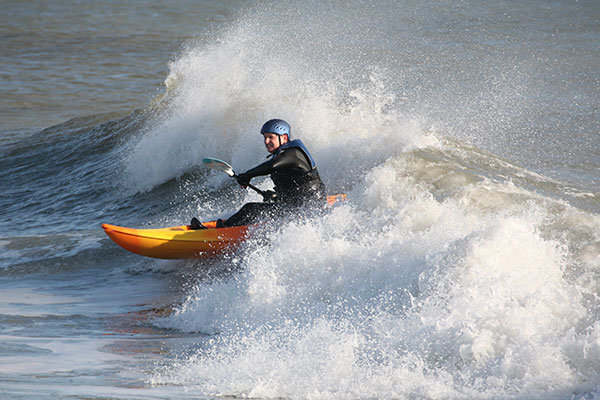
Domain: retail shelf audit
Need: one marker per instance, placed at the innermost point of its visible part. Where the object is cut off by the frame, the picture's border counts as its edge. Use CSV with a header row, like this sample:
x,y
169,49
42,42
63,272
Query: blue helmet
x,y
276,126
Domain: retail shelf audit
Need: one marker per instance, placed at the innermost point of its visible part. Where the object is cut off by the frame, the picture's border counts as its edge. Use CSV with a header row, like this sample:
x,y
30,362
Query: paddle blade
x,y
221,165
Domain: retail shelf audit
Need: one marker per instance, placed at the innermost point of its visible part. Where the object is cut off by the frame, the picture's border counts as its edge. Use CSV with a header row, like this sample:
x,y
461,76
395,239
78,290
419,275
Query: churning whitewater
x,y
465,262
449,272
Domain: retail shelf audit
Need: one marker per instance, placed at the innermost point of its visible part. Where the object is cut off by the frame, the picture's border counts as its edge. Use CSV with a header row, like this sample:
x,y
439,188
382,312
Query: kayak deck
x,y
177,242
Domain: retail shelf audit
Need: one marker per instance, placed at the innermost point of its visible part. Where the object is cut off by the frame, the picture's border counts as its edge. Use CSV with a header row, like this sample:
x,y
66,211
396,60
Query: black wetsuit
x,y
297,184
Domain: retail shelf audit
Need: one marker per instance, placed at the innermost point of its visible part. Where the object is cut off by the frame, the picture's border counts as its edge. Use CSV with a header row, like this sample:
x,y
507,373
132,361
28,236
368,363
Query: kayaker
x,y
293,171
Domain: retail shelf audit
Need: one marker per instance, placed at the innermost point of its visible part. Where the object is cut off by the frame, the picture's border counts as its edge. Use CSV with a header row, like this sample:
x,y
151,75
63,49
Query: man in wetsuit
x,y
293,171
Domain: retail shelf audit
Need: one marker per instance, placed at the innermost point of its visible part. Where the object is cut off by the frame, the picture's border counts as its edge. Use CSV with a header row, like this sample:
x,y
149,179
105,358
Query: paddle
x,y
221,165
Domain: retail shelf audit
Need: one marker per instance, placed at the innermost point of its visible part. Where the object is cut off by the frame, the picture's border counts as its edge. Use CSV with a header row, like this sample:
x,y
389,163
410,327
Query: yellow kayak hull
x,y
182,242
177,242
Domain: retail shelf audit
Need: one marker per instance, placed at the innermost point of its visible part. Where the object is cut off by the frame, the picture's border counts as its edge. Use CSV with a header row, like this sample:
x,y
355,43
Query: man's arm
x,y
288,158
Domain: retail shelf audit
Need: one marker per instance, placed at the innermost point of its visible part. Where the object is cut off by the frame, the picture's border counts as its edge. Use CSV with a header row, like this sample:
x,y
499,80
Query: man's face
x,y
273,141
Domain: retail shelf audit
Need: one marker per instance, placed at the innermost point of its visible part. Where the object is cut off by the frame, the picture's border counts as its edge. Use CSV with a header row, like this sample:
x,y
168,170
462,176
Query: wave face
x,y
465,262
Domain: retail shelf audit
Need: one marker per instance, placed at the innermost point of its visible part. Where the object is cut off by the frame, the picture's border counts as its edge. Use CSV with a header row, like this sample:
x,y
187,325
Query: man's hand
x,y
243,180
269,196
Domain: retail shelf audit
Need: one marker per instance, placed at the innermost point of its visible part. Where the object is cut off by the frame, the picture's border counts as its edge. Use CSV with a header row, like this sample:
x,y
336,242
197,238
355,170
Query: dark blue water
x,y
463,265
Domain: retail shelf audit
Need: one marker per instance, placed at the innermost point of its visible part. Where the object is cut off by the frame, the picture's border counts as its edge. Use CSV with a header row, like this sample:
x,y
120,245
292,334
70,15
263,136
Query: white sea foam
x,y
397,293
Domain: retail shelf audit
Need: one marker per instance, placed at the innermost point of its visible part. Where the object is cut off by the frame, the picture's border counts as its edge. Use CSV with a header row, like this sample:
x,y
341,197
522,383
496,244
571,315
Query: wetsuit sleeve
x,y
289,158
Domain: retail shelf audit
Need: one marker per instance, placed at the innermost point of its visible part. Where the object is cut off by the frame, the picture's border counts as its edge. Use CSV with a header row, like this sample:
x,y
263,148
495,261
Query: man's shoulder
x,y
300,149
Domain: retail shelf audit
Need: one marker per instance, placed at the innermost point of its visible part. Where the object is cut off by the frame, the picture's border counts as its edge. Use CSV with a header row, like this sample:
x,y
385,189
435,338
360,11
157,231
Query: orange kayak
x,y
181,241
177,241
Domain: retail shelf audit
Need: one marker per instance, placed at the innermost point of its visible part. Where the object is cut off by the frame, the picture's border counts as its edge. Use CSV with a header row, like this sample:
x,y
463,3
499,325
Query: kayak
x,y
177,241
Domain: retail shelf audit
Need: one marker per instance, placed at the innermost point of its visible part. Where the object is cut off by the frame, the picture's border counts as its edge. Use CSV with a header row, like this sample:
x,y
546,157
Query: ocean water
x,y
465,263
